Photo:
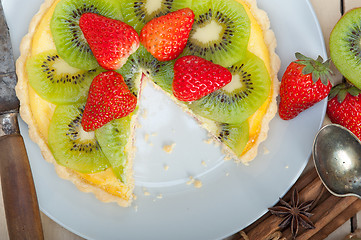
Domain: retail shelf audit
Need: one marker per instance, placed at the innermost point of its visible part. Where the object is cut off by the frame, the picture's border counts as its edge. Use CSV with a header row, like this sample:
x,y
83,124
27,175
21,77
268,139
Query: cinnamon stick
x,y
338,221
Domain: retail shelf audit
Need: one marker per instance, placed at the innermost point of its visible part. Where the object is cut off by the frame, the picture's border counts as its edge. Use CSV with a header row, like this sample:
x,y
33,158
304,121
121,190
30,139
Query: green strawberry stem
x,y
341,90
318,68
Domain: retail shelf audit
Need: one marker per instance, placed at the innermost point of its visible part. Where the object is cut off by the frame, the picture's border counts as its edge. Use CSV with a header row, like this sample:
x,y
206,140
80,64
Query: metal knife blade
x,y
8,100
19,196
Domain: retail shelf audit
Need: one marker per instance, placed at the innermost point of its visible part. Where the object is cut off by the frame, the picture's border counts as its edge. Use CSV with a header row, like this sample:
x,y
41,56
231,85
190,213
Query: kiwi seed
x,y
235,102
138,12
57,82
345,46
220,32
68,37
71,146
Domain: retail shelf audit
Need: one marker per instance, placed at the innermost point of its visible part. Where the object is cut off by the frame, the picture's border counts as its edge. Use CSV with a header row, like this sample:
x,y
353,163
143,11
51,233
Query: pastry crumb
x,y
204,163
228,157
136,208
286,166
197,184
154,134
227,174
208,141
160,196
266,151
145,192
190,181
146,137
166,167
168,148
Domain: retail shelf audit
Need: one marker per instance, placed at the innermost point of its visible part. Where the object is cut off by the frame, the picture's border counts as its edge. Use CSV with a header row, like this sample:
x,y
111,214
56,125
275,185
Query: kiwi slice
x,y
68,37
161,73
137,13
345,46
132,73
233,136
113,138
235,102
142,62
220,31
56,81
71,146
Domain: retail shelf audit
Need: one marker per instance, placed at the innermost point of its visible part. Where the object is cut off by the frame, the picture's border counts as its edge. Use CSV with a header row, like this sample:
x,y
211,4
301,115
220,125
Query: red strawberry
x,y
166,36
110,40
345,109
305,82
109,98
195,77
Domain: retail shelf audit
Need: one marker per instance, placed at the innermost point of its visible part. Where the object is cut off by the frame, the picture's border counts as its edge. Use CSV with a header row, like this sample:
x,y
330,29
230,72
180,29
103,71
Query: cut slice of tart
x,y
100,162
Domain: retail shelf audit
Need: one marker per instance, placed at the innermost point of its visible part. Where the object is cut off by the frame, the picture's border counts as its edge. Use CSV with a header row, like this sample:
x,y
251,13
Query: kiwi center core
x,y
236,83
85,136
63,67
209,32
153,6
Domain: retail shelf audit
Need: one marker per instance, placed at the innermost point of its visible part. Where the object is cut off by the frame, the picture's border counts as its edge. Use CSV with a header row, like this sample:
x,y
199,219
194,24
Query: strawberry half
x,y
344,107
166,36
109,98
195,77
304,83
110,40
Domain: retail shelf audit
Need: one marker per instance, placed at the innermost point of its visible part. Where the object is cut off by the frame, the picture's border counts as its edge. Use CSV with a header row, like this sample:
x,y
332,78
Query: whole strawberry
x,y
109,98
195,77
110,40
344,107
304,83
166,36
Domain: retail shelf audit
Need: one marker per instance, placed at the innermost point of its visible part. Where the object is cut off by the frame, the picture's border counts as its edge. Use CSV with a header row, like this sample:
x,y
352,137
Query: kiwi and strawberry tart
x,y
83,65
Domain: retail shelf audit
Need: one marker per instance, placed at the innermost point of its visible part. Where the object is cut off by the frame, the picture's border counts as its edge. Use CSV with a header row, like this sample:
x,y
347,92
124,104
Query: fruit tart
x,y
84,62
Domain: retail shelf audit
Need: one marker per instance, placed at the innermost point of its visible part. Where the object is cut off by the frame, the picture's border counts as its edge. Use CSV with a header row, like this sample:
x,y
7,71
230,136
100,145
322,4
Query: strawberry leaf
x,y
307,69
354,91
319,59
341,95
341,91
318,68
300,56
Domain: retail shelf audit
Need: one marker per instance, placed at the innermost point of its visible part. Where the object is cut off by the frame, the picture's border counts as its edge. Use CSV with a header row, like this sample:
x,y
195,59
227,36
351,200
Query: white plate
x,y
232,196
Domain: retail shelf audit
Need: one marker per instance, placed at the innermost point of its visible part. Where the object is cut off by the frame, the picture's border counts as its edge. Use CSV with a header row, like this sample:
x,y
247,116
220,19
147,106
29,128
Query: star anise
x,y
295,214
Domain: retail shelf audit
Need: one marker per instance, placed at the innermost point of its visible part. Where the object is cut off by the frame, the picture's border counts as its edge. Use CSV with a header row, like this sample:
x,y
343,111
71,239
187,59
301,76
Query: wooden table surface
x,y
328,13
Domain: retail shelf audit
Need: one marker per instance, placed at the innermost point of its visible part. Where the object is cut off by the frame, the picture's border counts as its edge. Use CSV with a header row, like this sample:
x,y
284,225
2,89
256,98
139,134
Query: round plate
x,y
168,204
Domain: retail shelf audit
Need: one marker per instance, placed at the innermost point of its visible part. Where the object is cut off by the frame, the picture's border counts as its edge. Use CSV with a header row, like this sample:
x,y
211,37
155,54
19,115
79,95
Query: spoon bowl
x,y
337,157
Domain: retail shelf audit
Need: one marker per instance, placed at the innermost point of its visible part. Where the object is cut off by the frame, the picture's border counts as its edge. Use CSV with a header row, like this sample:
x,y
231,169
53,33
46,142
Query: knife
x,y
19,196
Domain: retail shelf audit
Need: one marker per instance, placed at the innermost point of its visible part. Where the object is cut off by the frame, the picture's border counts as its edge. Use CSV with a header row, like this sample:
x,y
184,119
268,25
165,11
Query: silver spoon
x,y
337,157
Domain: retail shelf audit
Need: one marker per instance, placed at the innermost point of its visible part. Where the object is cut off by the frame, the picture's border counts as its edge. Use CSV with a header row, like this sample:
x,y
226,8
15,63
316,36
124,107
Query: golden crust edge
x,y
275,62
68,174
25,113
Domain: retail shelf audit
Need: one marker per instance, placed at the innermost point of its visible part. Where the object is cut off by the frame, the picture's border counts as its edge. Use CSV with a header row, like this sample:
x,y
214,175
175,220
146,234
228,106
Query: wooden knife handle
x,y
20,201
